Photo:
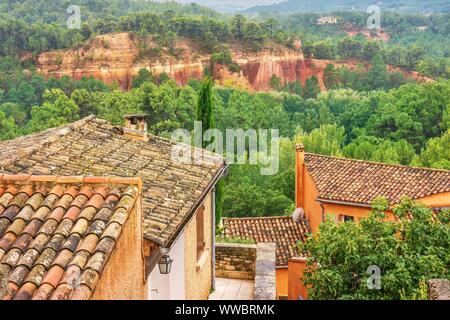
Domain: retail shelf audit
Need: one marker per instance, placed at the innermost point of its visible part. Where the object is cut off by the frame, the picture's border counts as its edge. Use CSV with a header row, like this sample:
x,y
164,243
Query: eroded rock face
x,y
115,57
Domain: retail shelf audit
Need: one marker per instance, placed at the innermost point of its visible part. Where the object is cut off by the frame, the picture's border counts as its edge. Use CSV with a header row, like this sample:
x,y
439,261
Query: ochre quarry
x,y
118,58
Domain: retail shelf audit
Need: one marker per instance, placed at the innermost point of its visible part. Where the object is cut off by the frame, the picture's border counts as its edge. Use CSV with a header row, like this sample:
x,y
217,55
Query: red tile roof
x,y
282,230
91,146
56,234
361,182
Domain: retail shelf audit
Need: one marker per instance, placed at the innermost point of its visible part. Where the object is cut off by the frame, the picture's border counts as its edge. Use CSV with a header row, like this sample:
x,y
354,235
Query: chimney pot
x,y
135,126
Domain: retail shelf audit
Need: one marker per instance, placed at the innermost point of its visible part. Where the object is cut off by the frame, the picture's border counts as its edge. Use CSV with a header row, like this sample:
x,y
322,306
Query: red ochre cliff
x,y
116,58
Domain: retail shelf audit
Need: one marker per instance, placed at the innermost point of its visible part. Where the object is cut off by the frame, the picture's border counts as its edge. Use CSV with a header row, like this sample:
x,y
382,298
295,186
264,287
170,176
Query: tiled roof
x,y
283,231
56,234
91,146
360,181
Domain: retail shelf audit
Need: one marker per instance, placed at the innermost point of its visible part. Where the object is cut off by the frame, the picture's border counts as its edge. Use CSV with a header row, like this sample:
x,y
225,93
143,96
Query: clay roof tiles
x,y
360,182
92,146
46,254
281,230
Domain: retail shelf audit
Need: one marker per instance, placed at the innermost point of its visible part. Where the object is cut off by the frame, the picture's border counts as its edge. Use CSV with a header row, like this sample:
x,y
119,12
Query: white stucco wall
x,y
170,286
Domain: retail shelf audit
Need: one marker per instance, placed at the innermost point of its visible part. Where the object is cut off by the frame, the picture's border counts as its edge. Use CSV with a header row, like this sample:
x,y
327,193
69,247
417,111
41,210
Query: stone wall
x,y
236,261
265,274
439,289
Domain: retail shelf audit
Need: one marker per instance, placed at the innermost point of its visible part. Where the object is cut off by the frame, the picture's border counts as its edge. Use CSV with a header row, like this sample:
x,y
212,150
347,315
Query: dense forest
x,y
23,30
368,113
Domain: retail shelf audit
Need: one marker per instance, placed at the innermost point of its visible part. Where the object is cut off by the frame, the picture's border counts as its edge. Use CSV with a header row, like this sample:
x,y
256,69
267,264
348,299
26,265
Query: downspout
x,y
213,250
323,211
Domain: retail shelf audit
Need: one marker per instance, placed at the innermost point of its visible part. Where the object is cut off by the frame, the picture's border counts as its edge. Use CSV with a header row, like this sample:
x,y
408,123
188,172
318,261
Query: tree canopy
x,y
408,252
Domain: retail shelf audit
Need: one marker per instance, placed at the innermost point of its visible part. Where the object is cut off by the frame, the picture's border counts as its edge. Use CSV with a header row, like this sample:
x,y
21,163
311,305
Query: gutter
x,y
346,203
323,210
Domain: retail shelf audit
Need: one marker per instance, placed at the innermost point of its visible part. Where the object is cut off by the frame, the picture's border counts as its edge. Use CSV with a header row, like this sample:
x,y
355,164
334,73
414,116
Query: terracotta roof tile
x,y
25,292
358,181
48,253
281,230
43,292
72,213
92,146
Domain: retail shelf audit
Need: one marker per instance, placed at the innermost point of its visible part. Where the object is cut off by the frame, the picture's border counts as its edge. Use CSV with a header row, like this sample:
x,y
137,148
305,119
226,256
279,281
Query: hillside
x,y
116,58
291,6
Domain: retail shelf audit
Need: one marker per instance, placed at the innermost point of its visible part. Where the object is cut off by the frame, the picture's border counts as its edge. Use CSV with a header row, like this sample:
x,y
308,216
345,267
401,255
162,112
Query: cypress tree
x,y
205,114
205,108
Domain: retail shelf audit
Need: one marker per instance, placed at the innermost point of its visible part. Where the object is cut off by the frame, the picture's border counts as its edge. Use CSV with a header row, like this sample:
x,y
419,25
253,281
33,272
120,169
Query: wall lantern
x,y
165,263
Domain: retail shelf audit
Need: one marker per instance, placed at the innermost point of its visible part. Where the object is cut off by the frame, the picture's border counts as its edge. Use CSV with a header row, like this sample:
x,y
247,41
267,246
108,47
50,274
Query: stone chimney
x,y
135,127
300,176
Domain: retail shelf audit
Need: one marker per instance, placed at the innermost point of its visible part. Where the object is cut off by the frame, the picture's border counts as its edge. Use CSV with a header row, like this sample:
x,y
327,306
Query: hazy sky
x,y
229,5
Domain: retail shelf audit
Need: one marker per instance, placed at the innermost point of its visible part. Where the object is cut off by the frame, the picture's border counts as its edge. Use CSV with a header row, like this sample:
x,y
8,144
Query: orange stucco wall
x,y
296,288
312,208
437,200
338,209
282,276
124,275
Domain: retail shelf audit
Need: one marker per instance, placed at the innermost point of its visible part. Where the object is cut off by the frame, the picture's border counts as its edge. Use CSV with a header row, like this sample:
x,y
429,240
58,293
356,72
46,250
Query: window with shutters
x,y
200,231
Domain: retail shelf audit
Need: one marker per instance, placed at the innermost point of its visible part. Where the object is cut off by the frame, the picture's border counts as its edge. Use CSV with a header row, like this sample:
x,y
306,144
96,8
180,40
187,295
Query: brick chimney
x,y
300,176
135,127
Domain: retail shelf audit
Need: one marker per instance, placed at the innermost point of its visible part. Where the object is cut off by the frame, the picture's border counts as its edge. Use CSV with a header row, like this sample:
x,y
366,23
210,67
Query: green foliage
x,y
8,129
409,251
275,83
143,76
437,152
205,111
381,150
56,110
239,240
311,89
327,140
169,107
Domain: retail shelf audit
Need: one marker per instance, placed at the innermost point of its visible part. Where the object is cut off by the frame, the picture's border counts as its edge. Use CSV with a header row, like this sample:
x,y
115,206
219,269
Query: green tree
x,y
380,150
275,83
312,88
327,139
238,24
378,76
143,76
56,110
205,114
8,129
330,76
409,251
437,152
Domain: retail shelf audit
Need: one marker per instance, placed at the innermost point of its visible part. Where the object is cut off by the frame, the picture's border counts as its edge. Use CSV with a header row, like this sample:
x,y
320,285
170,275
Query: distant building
x,y
345,188
281,230
327,20
422,28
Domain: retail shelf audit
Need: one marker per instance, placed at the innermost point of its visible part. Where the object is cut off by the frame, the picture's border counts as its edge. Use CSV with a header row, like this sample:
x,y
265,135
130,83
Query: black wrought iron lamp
x,y
165,263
